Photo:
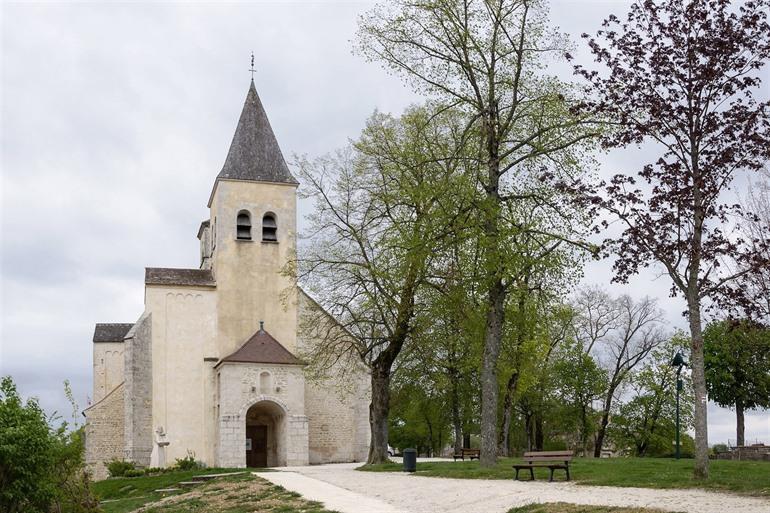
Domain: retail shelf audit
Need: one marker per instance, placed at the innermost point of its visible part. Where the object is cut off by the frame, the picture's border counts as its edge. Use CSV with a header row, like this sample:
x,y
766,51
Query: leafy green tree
x,y
486,58
383,208
580,381
419,415
446,347
27,453
645,423
41,468
737,360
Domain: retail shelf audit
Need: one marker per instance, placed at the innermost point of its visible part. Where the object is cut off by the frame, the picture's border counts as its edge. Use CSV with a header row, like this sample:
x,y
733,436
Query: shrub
x,y
720,448
27,451
133,472
118,468
41,468
189,462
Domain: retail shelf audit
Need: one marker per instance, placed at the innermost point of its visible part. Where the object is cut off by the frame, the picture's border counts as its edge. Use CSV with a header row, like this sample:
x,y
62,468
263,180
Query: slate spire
x,y
254,153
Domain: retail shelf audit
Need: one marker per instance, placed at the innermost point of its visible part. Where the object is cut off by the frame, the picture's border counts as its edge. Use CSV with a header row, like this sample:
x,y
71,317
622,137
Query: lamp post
x,y
678,362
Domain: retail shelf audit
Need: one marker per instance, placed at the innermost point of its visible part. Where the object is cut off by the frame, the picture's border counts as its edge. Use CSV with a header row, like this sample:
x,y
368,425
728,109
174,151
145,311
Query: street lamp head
x,y
678,360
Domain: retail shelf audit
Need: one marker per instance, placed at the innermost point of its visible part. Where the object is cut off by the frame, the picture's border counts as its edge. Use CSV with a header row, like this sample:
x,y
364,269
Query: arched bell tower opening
x,y
265,435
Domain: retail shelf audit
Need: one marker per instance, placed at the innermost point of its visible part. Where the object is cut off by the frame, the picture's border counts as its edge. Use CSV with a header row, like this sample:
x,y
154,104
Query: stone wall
x,y
138,392
104,432
183,345
251,284
337,395
238,388
108,368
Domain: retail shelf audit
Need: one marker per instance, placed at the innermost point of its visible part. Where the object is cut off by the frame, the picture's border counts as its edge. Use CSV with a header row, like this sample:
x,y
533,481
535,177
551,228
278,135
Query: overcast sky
x,y
116,118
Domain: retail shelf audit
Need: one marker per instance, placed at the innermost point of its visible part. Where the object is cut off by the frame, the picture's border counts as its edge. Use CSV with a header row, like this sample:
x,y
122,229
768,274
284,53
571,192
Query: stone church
x,y
214,366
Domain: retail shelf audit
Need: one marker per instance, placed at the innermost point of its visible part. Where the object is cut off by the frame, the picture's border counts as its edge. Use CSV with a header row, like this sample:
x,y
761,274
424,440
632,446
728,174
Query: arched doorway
x,y
265,435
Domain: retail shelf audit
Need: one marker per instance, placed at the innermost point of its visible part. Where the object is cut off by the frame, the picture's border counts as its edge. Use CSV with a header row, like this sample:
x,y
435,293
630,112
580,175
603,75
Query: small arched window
x,y
243,229
269,228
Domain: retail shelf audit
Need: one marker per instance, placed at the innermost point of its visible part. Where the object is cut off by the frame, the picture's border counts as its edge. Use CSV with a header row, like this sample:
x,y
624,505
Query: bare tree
x,y
622,333
597,315
756,228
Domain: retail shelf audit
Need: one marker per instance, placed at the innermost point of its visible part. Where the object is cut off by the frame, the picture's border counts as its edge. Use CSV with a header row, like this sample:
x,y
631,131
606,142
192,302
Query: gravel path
x,y
417,494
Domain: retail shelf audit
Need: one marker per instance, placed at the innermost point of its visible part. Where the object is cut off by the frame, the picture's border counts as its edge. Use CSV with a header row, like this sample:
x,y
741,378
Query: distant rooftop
x,y
111,332
183,277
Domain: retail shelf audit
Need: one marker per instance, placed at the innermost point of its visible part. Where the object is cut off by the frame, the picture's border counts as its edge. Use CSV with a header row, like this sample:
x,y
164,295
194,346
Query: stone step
x,y
167,490
209,477
188,484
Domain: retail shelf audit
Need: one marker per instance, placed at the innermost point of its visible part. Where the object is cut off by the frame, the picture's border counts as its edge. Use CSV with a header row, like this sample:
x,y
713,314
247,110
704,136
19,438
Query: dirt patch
x,y
244,494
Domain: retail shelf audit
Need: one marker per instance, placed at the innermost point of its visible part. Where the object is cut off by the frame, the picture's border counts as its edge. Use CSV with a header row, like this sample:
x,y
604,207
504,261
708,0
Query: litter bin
x,y
410,460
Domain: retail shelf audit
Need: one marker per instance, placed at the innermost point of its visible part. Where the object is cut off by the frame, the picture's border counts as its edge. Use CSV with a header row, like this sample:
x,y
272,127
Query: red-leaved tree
x,y
681,76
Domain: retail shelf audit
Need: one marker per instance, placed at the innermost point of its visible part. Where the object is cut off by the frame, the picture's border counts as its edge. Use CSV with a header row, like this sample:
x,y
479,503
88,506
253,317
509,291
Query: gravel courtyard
x,y
344,489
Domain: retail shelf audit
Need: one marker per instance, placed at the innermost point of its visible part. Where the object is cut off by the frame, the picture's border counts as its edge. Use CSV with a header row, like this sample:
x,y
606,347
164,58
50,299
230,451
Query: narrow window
x,y
243,230
265,383
269,228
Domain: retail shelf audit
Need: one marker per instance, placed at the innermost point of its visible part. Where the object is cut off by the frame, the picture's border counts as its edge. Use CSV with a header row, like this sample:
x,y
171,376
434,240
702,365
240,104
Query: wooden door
x,y
256,446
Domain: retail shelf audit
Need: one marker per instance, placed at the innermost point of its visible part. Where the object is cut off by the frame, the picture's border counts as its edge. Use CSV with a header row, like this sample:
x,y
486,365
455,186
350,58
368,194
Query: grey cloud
x,y
117,117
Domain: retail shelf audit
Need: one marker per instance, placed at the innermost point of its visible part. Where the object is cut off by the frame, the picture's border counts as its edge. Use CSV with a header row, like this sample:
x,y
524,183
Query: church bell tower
x,y
251,236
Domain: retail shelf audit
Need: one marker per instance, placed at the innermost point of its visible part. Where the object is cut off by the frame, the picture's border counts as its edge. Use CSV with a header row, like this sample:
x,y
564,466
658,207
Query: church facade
x,y
214,365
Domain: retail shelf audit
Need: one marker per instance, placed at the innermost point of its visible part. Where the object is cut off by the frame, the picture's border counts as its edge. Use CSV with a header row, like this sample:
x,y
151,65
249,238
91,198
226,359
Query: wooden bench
x,y
471,454
551,460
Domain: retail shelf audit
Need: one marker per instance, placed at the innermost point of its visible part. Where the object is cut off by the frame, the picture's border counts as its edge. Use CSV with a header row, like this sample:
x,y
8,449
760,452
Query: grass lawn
x,y
745,477
233,494
561,507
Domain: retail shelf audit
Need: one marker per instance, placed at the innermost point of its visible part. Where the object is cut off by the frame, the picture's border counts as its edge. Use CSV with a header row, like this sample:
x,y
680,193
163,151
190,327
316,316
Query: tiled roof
x,y
188,277
262,348
254,153
111,332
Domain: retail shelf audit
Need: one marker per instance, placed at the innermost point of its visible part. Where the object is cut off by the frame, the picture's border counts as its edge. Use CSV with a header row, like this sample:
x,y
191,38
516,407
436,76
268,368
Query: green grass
x,y
744,477
561,507
123,494
243,493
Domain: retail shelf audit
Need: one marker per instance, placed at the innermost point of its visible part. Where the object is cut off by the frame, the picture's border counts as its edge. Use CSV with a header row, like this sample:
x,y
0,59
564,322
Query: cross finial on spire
x,y
252,66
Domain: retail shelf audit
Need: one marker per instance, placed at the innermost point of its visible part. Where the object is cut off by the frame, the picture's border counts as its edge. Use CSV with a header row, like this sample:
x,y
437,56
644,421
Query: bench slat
x,y
536,465
548,453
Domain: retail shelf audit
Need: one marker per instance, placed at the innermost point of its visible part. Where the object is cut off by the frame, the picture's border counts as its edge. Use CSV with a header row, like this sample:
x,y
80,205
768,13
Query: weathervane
x,y
252,66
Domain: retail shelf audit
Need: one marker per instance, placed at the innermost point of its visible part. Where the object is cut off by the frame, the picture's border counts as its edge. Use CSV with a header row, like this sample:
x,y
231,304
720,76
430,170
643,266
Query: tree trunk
x,y
489,387
378,414
539,437
740,441
431,442
380,405
496,289
504,441
456,423
601,433
529,428
701,470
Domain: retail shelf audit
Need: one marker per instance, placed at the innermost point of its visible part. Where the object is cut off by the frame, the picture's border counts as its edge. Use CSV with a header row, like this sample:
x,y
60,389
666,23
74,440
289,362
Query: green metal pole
x,y
678,388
